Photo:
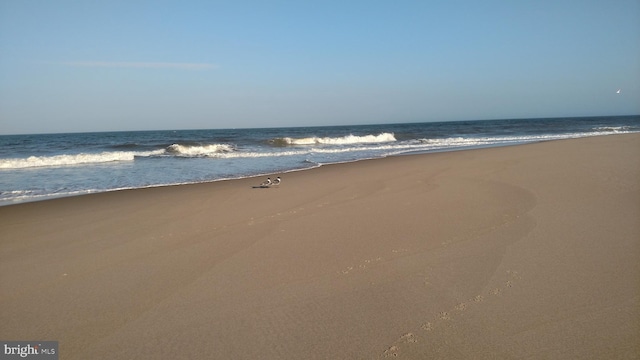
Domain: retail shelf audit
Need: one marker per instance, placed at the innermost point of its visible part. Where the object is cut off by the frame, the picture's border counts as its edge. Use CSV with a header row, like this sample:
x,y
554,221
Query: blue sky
x,y
69,66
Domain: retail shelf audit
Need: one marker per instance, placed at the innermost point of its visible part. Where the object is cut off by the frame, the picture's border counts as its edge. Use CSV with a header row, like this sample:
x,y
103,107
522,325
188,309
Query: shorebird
x,y
277,181
266,183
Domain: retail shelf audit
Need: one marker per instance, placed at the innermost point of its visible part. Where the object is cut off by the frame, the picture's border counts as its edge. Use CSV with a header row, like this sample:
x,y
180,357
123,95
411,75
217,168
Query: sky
x,y
75,66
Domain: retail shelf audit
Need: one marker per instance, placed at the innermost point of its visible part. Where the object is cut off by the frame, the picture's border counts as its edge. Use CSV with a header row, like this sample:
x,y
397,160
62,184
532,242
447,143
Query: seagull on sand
x,y
266,183
277,181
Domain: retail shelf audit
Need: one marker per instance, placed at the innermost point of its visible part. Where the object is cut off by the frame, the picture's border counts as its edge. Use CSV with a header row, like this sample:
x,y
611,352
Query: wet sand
x,y
529,251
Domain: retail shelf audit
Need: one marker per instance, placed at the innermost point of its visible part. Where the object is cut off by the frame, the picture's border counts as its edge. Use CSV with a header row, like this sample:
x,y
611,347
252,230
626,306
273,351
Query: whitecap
x,y
342,140
199,150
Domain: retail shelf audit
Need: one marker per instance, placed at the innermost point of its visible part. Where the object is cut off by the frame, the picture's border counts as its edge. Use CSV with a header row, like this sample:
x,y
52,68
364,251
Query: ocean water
x,y
37,167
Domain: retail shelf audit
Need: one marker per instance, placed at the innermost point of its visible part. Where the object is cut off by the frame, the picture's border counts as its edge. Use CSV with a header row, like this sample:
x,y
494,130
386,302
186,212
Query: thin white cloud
x,y
141,65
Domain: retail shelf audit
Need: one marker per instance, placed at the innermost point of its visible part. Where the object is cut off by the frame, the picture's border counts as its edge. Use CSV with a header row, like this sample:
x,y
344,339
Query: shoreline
x,y
502,252
407,153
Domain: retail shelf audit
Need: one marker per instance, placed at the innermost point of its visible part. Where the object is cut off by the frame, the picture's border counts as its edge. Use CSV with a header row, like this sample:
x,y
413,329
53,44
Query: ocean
x,y
42,166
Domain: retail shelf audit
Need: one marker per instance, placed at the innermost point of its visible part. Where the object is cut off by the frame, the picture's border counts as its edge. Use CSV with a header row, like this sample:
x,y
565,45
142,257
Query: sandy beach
x,y
529,251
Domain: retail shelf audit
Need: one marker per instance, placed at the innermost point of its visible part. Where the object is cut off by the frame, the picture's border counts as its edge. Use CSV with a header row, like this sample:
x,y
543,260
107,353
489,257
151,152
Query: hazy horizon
x,y
320,126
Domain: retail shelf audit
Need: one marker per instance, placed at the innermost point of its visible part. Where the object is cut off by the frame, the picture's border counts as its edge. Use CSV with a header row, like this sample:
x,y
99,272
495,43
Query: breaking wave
x,y
613,129
199,150
75,159
114,156
343,140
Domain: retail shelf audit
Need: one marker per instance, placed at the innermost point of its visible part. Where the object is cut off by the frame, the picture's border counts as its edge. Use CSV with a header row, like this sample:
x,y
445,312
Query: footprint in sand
x,y
461,307
347,270
392,351
428,326
409,338
513,275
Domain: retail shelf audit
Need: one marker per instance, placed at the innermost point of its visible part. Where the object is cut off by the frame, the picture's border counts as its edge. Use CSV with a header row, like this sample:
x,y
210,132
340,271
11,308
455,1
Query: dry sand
x,y
529,251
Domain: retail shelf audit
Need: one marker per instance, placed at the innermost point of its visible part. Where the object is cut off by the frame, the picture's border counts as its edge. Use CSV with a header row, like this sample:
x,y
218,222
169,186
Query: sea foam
x,y
72,159
343,140
199,150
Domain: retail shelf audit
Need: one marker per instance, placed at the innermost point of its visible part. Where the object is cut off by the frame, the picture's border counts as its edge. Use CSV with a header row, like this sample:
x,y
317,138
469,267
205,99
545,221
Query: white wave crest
x,y
199,150
613,129
343,140
71,159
